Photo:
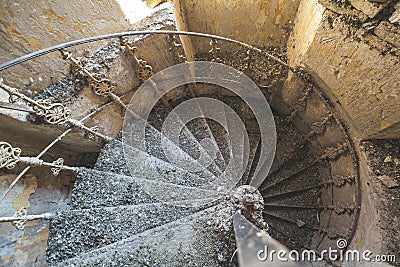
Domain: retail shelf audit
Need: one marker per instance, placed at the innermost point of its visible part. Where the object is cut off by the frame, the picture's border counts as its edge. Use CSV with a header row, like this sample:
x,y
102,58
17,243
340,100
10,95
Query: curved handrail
x,y
48,50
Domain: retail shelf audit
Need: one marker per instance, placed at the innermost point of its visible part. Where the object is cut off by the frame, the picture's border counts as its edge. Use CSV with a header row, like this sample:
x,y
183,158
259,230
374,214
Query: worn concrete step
x,y
116,157
289,140
200,239
296,185
77,231
104,189
229,131
300,161
186,136
153,144
253,133
254,142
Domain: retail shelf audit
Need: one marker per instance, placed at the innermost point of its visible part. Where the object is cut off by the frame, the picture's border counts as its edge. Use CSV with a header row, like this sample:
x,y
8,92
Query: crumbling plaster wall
x,y
28,26
260,23
358,69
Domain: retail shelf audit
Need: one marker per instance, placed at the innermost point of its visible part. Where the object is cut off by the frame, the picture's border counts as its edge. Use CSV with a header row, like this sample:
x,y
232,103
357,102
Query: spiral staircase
x,y
138,206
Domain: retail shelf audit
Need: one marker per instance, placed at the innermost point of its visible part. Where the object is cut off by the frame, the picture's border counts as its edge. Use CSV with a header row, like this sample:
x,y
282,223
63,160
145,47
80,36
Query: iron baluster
x,y
21,217
143,70
10,156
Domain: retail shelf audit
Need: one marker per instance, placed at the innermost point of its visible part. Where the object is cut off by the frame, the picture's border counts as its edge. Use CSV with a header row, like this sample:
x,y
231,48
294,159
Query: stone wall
x,y
357,65
28,26
260,23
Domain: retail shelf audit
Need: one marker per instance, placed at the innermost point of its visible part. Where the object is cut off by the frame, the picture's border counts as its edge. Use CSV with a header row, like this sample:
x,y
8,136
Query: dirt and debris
x,y
383,158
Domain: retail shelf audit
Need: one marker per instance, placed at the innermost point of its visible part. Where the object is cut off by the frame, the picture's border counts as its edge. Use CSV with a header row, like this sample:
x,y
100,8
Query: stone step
x,y
116,157
289,140
152,144
255,140
200,239
95,189
187,137
77,231
253,134
229,131
297,163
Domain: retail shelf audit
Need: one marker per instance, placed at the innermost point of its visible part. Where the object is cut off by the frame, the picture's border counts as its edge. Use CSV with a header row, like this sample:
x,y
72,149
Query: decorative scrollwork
x,y
20,222
215,50
143,70
13,99
101,86
340,181
59,163
53,113
334,152
319,127
176,48
94,129
79,66
302,103
9,156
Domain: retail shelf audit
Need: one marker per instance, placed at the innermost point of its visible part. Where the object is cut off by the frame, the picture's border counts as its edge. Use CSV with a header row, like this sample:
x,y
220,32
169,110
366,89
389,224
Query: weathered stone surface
x,y
258,23
361,80
27,26
389,33
370,8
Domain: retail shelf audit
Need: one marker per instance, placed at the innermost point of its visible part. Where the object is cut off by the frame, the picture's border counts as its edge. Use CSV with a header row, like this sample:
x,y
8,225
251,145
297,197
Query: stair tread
x,y
187,138
142,164
98,227
289,140
189,241
299,160
133,137
100,189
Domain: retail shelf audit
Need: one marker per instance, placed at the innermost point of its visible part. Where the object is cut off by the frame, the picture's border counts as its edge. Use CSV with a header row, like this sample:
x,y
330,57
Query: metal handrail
x,y
48,50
